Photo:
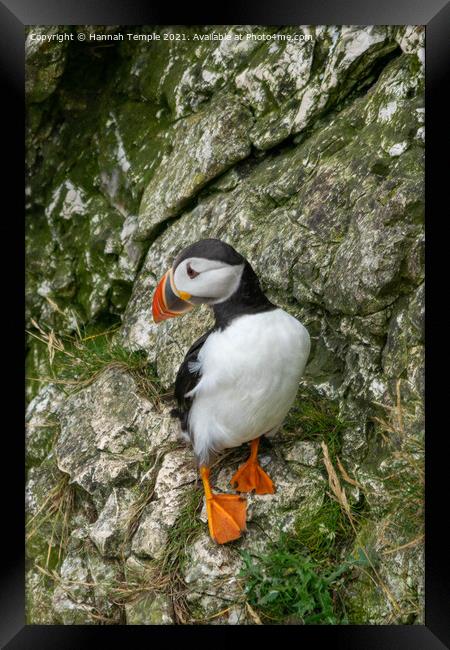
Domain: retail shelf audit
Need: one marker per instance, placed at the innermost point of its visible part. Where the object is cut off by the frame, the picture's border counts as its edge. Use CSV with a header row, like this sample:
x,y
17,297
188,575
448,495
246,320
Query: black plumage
x,y
187,380
248,299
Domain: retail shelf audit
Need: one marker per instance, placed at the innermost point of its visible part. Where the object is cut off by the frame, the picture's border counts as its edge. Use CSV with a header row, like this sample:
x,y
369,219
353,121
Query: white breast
x,y
249,378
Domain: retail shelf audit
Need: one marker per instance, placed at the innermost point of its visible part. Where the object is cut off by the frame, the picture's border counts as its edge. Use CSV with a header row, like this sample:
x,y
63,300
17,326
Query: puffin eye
x,y
190,271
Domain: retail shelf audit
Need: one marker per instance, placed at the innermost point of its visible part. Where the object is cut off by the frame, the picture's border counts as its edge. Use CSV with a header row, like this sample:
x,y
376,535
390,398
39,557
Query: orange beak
x,y
167,301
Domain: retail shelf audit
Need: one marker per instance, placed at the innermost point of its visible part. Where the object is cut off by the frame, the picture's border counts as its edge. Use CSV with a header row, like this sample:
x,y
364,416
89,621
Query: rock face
x,y
307,156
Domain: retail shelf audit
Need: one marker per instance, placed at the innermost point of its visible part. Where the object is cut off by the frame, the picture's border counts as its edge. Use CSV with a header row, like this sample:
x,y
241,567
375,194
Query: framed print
x,y
224,299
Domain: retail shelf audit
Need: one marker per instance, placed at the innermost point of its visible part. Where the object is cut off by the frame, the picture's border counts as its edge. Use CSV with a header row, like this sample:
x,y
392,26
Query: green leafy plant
x,y
286,583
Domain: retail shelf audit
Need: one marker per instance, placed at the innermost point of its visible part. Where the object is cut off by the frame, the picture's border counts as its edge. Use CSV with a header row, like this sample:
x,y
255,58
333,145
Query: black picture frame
x,y
14,15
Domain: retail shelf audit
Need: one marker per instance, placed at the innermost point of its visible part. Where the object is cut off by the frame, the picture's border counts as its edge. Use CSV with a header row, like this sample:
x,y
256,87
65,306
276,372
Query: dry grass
x,y
340,496
335,484
404,492
57,507
406,483
74,362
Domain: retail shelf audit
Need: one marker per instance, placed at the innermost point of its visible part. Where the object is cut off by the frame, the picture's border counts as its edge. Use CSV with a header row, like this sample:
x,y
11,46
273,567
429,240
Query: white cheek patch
x,y
216,280
228,283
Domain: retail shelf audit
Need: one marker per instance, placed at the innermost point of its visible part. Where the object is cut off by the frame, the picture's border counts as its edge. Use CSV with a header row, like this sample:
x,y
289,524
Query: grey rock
x,y
73,601
150,610
204,145
110,530
158,518
84,591
137,569
303,452
211,573
173,482
41,423
69,612
105,575
45,61
102,440
178,470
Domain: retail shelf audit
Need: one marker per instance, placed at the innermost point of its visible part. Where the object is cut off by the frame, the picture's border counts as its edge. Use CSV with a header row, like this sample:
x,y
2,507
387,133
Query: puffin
x,y
238,381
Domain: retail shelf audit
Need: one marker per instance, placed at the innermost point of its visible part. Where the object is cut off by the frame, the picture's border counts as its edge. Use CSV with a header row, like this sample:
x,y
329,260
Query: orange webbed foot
x,y
226,512
226,516
251,476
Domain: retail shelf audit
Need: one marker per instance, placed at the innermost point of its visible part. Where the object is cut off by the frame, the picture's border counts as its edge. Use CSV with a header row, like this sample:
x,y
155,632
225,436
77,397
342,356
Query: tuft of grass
x,y
73,362
404,482
326,533
184,531
55,511
287,584
316,419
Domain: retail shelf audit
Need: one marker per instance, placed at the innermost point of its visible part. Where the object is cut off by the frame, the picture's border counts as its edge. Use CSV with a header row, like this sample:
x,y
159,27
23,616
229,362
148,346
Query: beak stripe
x,y
167,302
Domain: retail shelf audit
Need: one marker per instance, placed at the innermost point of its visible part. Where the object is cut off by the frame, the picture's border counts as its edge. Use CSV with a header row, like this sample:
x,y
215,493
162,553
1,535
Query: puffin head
x,y
208,271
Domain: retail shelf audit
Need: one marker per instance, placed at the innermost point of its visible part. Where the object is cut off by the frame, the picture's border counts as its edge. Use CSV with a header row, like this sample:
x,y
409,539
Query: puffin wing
x,y
187,378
